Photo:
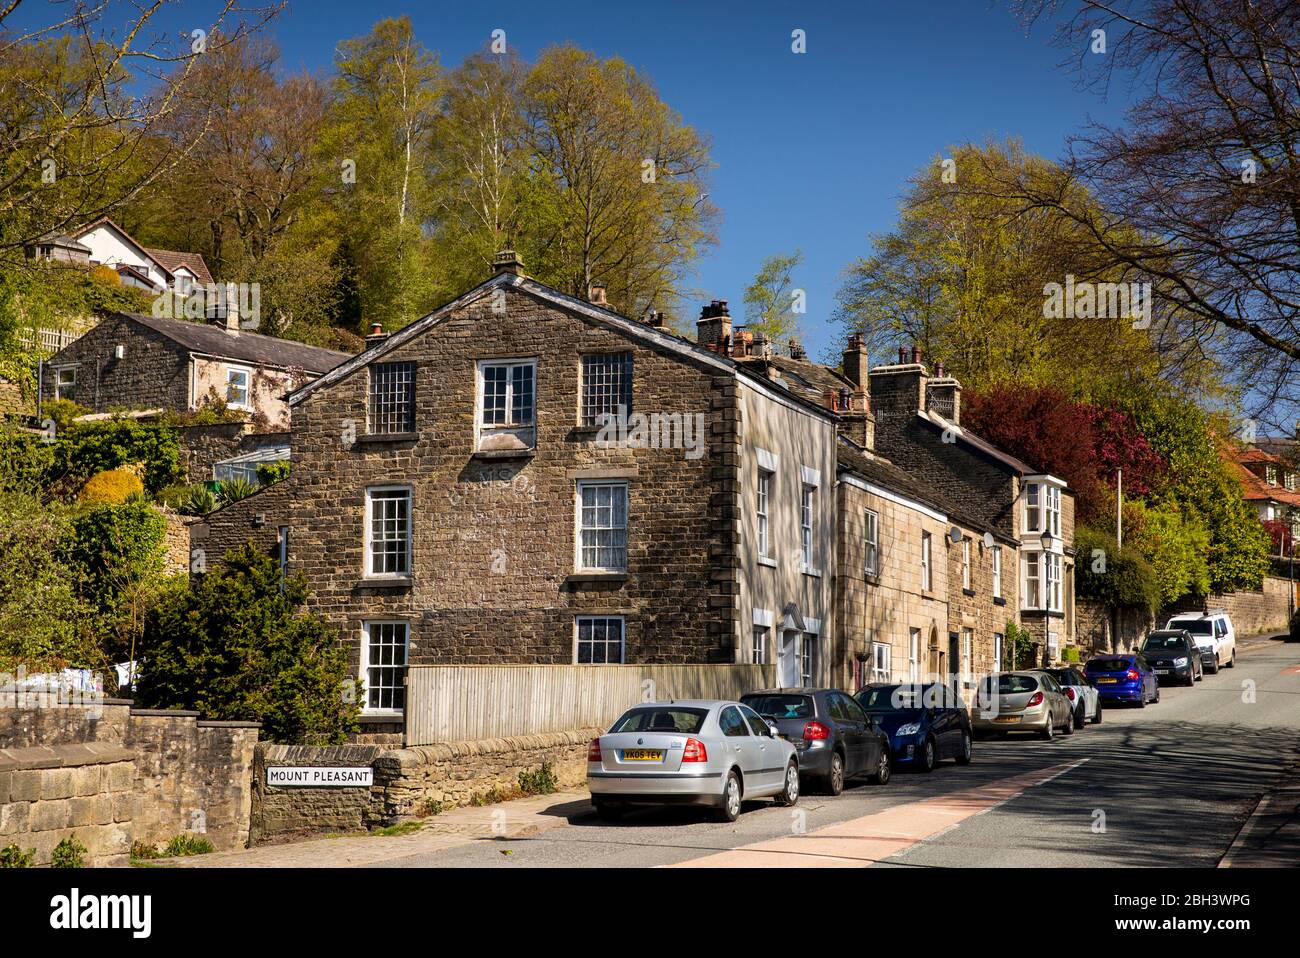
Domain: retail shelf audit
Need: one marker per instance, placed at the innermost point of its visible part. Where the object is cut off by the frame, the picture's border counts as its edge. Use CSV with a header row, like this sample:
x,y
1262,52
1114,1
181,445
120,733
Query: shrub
x,y
269,473
111,487
201,501
539,782
1116,577
88,448
232,490
62,412
188,845
26,461
11,856
144,851
235,644
69,853
1070,654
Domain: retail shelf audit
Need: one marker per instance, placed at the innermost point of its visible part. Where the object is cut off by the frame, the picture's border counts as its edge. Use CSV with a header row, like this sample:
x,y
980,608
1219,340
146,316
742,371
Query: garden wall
x,y
113,775
1263,610
407,780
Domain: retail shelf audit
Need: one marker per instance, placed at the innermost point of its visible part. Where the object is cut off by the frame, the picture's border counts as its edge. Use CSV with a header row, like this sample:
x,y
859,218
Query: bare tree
x,y
1206,169
83,101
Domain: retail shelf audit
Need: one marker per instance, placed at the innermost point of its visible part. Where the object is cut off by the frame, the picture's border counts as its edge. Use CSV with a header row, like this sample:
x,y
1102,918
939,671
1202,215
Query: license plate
x,y
1162,671
643,755
1106,681
1007,718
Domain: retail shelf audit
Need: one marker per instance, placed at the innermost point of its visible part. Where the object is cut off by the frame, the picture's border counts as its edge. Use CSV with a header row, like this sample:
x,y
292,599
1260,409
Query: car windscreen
x,y
1008,683
661,718
896,698
1195,626
781,706
1160,643
1108,665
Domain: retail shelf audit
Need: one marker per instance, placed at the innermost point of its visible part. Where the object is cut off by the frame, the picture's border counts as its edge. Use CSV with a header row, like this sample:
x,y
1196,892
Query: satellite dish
x,y
955,535
988,540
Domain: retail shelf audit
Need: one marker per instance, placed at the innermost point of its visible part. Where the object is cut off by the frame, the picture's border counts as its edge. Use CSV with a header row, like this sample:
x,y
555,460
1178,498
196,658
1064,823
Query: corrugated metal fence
x,y
451,703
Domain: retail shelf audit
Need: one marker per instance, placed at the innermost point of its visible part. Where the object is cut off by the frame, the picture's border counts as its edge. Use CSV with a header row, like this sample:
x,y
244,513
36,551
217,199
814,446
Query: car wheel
x,y
1156,699
834,783
1232,661
1096,719
789,795
729,809
928,755
1142,700
1080,716
1069,724
883,767
1049,731
1215,669
964,756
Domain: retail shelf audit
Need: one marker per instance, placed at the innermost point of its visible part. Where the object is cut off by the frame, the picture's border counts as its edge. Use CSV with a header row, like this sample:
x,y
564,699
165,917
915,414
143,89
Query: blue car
x,y
925,723
1123,678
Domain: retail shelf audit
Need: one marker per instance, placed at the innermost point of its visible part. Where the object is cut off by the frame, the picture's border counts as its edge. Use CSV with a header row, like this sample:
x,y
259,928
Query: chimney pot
x,y
713,328
902,355
916,354
796,350
596,294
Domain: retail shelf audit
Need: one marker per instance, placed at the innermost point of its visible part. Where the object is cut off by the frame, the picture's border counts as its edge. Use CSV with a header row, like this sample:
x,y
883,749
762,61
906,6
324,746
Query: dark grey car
x,y
1173,656
833,736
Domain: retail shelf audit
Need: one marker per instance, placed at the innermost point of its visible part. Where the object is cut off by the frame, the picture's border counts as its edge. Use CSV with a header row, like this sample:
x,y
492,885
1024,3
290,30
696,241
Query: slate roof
x,y
245,347
882,472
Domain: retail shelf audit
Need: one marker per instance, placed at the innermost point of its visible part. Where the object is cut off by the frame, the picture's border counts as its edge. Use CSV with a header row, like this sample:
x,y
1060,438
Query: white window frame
x,y
1052,510
927,580
967,650
1033,507
233,370
367,555
59,383
965,562
807,653
762,507
580,528
365,665
758,648
484,431
871,542
1034,593
997,572
1052,567
807,520
577,632
914,655
997,651
882,654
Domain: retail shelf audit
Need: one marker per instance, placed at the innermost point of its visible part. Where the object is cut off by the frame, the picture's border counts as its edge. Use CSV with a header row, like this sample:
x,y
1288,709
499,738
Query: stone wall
x,y
203,446
256,519
1263,610
154,373
111,775
406,780
1099,630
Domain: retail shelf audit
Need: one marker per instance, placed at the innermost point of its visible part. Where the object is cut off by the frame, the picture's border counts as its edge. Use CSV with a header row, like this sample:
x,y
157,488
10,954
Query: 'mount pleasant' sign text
x,y
309,776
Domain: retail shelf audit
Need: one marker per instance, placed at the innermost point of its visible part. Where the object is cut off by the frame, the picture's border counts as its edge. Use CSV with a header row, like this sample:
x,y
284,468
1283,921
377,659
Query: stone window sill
x,y
998,600
767,561
594,578
379,438
494,454
813,573
394,582
968,592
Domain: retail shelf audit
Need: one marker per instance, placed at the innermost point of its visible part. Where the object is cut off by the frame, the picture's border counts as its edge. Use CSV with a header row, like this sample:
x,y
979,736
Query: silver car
x,y
1028,701
701,752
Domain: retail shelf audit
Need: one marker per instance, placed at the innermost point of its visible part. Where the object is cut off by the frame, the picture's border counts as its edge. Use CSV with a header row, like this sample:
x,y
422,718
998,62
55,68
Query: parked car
x,y
1085,699
1030,701
1214,635
924,723
697,752
1174,656
1123,678
833,737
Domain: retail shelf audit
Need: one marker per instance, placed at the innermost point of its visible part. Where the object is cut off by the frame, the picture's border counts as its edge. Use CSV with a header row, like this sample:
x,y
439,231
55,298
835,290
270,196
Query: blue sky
x,y
812,149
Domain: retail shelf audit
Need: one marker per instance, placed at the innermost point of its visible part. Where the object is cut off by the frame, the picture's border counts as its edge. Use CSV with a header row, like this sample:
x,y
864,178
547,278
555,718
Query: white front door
x,y
787,663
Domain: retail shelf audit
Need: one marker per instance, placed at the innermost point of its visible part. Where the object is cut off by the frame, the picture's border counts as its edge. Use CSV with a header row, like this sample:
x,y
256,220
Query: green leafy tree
x,y
89,448
770,304
1176,545
235,644
1116,577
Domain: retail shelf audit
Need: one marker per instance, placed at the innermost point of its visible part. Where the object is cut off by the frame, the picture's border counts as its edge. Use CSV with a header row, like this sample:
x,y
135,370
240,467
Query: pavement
x,y
1209,776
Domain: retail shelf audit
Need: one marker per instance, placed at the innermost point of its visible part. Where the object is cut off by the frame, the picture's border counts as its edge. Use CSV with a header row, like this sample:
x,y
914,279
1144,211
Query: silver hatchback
x,y
699,752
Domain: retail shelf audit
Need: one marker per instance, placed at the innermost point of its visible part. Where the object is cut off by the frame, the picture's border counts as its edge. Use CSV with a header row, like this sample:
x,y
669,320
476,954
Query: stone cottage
x,y
527,477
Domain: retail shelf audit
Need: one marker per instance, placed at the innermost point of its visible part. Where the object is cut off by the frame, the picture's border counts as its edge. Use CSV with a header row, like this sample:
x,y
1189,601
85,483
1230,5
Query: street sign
x,y
311,776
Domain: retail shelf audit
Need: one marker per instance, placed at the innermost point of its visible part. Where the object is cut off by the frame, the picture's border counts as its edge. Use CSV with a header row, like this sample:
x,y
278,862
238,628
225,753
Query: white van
x,y
1214,636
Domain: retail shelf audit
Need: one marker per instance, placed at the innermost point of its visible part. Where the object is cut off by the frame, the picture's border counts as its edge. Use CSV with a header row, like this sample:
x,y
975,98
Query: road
x,y
1171,784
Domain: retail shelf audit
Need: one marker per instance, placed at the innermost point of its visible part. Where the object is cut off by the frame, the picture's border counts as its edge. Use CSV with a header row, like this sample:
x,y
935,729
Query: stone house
x,y
918,427
526,477
131,361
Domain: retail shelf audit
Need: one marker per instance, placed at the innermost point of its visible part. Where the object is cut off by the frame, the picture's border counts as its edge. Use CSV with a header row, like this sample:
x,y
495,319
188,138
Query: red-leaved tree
x,y
1079,442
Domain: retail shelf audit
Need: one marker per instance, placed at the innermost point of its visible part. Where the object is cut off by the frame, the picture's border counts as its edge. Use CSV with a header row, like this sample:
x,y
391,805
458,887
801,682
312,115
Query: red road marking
x,y
863,841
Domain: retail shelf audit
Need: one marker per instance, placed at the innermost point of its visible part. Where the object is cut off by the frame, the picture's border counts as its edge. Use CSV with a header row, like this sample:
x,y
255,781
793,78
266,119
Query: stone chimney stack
x,y
713,328
898,392
596,294
232,309
943,396
855,362
507,261
655,318
377,335
797,350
